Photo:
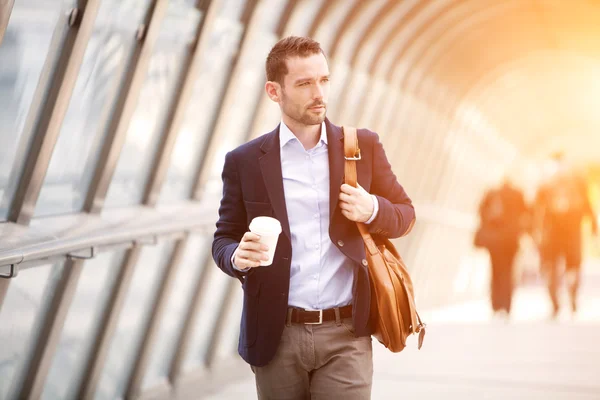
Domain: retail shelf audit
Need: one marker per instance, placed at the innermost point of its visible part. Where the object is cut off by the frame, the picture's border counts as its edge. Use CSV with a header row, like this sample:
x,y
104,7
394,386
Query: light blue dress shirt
x,y
321,275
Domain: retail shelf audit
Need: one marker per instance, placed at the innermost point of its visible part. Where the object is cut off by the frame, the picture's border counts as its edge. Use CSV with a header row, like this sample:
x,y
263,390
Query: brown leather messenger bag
x,y
393,314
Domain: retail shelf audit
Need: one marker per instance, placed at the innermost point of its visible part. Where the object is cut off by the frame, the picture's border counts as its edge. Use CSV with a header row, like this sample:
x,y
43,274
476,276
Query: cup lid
x,y
265,225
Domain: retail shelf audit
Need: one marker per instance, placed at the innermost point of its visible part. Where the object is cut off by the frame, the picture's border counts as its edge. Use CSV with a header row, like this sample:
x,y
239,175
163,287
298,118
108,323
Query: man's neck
x,y
308,135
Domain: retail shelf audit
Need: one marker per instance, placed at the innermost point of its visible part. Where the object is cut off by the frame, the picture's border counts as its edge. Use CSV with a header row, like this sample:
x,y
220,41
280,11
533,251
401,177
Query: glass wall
x,y
208,313
133,320
85,125
241,103
21,320
176,310
28,51
95,284
147,125
214,71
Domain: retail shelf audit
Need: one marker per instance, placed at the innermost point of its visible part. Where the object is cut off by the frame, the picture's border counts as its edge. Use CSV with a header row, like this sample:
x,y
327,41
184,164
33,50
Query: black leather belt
x,y
300,316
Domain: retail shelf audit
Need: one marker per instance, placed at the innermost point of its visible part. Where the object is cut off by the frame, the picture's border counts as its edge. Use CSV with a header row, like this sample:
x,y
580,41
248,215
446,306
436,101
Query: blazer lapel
x,y
335,139
270,166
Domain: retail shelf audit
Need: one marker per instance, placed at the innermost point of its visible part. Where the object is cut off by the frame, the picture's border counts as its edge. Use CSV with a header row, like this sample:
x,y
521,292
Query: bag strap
x,y
351,155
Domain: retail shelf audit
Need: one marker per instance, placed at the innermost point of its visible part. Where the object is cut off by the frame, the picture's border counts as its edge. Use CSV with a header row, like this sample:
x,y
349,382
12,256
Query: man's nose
x,y
318,92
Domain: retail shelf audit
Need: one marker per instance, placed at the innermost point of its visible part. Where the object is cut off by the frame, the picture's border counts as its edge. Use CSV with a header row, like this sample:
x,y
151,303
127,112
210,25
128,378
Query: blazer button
x,y
340,243
365,263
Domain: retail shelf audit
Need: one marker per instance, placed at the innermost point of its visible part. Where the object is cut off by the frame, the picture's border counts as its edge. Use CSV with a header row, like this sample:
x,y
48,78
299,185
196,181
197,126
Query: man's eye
x,y
305,84
325,79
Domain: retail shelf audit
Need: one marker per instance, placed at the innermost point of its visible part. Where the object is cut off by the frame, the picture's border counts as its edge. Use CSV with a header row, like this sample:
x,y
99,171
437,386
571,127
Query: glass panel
x,y
211,301
176,309
84,128
213,74
235,120
82,323
21,319
228,341
146,127
23,53
132,320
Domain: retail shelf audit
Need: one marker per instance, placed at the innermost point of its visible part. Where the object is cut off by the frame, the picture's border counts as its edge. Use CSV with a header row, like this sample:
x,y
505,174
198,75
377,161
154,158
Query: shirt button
x,y
365,263
340,243
316,246
316,215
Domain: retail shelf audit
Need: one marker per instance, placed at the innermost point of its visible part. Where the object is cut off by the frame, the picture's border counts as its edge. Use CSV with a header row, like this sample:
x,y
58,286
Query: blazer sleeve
x,y
231,225
396,215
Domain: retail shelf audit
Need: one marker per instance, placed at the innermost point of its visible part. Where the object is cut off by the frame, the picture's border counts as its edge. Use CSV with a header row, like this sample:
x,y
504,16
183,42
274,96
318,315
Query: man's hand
x,y
250,252
356,204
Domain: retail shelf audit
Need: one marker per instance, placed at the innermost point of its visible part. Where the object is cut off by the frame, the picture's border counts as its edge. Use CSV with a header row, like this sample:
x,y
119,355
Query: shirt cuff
x,y
235,266
375,209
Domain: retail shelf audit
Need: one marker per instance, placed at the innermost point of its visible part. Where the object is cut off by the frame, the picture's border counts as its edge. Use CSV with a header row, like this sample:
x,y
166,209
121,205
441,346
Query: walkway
x,y
469,355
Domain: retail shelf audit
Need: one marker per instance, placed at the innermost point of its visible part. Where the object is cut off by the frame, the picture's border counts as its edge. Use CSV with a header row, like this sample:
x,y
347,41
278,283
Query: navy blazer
x,y
253,186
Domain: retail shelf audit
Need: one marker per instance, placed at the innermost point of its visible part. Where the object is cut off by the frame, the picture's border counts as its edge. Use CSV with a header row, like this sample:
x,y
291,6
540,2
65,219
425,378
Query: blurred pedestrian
x,y
561,205
504,215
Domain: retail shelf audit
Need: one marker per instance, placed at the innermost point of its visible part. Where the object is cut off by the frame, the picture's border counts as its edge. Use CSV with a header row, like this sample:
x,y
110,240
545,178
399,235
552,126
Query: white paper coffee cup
x,y
268,229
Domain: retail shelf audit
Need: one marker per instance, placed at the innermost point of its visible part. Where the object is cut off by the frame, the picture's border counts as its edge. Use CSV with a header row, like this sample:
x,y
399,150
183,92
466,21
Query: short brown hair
x,y
291,46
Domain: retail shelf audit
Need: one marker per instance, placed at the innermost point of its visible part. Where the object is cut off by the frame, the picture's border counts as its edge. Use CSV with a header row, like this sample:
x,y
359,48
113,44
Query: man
x,y
295,174
504,216
561,205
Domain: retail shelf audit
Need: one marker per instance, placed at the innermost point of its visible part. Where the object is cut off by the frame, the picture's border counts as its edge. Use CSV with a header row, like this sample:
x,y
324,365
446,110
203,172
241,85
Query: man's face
x,y
305,89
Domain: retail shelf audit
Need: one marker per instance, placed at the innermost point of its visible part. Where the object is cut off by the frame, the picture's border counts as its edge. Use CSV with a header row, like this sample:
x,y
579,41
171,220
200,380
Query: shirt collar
x,y
286,135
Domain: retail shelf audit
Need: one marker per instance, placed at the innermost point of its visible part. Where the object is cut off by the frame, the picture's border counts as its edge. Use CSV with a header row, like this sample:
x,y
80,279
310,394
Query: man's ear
x,y
273,90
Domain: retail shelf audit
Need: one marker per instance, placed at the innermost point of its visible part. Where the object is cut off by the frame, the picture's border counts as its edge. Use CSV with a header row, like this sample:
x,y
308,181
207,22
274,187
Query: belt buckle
x,y
320,319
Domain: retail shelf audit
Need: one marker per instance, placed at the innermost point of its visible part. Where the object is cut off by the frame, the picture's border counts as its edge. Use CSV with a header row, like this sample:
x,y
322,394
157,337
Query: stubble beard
x,y
307,119
305,116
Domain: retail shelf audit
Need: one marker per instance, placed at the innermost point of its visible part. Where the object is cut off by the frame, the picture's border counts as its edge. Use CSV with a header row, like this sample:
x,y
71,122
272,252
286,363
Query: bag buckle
x,y
320,319
355,158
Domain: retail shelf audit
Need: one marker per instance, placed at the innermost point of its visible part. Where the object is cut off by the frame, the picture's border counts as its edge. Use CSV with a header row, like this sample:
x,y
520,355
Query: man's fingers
x,y
245,263
256,246
250,237
345,198
348,189
345,206
254,256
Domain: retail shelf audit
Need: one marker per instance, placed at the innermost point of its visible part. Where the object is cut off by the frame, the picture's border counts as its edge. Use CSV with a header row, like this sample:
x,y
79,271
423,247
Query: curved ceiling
x,y
529,68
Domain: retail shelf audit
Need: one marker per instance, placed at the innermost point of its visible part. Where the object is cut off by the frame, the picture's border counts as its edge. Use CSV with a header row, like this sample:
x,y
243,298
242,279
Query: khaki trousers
x,y
318,362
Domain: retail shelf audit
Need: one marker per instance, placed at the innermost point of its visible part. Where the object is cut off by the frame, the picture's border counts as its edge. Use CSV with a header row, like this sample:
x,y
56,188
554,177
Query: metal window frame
x,y
176,373
209,148
56,100
49,337
371,29
126,102
108,325
178,107
409,83
213,142
217,332
3,290
6,7
142,361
